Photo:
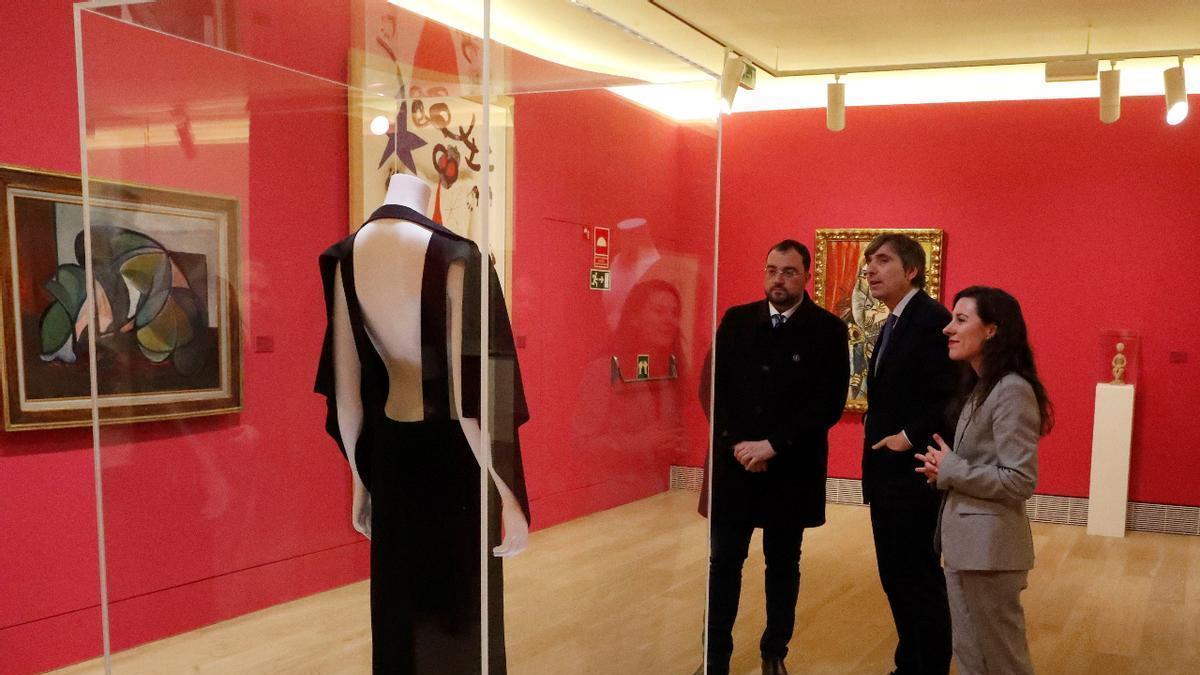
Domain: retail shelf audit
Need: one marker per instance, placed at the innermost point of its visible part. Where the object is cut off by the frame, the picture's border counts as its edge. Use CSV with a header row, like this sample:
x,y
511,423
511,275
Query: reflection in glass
x,y
629,432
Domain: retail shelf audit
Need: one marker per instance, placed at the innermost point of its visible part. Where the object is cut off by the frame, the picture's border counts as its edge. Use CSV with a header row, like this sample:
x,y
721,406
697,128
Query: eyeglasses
x,y
788,273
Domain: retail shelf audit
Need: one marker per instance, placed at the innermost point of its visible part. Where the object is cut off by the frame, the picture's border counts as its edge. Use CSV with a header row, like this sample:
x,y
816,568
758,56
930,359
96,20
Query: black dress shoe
x,y
773,665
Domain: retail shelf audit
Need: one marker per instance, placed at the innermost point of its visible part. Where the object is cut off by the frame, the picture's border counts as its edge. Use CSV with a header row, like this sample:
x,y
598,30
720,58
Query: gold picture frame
x,y
165,303
839,286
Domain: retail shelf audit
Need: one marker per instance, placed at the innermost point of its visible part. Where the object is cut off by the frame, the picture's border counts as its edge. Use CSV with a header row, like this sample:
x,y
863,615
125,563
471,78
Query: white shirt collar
x,y
904,302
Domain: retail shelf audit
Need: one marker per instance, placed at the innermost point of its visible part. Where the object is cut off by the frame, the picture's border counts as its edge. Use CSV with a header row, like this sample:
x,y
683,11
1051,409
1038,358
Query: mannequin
x,y
389,254
399,370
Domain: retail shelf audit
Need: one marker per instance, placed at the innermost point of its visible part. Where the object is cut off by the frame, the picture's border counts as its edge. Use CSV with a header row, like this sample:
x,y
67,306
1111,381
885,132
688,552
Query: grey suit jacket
x,y
987,479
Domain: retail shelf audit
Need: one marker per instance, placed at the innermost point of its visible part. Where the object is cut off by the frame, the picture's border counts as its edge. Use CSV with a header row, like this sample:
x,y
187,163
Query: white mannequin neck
x,y
408,190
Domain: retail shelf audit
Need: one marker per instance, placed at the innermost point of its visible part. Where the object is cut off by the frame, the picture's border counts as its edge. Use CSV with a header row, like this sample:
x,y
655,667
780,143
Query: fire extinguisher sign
x,y
600,247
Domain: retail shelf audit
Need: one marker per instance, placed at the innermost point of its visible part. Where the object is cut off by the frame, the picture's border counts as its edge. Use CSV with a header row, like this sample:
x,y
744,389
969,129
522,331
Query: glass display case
x,y
229,146
1118,356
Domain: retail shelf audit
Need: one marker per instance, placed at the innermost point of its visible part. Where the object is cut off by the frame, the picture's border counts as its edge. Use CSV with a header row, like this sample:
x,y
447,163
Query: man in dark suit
x,y
909,383
781,378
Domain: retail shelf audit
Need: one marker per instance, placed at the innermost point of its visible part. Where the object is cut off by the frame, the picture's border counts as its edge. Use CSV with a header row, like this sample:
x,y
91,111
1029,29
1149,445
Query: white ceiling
x,y
944,50
681,40
827,35
804,42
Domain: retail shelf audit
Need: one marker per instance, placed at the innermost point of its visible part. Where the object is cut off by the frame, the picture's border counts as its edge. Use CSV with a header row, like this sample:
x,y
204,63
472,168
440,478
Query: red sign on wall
x,y
600,245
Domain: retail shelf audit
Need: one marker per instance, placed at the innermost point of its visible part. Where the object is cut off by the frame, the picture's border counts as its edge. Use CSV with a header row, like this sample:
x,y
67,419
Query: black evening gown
x,y
423,478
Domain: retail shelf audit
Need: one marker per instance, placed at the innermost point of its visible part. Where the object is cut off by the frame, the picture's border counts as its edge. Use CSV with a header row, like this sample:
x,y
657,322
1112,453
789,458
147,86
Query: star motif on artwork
x,y
401,142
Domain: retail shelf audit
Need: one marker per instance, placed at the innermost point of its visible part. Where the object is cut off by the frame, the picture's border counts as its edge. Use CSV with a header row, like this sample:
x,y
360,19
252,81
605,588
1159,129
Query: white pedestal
x,y
1112,432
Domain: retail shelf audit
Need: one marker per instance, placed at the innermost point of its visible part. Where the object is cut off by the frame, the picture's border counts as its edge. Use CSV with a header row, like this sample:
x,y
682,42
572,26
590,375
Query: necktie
x,y
888,327
778,320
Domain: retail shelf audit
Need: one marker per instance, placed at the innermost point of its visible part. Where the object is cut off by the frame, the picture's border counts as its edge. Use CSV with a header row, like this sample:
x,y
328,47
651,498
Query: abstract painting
x,y
416,107
163,306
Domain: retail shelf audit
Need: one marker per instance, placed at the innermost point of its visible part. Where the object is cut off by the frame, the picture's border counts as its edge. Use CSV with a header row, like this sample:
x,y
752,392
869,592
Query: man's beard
x,y
786,301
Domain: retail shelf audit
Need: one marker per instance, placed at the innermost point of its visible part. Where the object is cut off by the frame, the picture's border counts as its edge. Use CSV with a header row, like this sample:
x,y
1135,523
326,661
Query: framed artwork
x,y
164,303
416,107
840,286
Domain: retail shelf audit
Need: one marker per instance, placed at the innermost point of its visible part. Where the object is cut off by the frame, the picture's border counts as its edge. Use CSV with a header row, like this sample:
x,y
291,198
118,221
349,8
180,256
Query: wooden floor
x,y
622,592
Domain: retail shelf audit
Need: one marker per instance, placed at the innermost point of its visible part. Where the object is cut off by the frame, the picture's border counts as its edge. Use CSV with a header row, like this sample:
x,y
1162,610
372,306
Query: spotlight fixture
x,y
380,125
1110,94
731,78
835,104
1176,91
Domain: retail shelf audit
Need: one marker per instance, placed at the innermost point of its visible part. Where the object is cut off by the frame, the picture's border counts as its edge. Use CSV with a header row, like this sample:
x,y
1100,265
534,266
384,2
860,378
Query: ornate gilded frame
x,y
832,294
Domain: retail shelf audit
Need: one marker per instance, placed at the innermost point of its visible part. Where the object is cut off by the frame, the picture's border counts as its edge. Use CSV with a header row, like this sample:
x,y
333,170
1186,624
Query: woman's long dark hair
x,y
625,337
1008,351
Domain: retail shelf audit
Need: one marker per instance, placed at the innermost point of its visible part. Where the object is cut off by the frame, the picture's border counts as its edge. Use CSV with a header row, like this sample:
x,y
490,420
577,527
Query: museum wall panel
x,y
1088,224
619,169
39,124
48,566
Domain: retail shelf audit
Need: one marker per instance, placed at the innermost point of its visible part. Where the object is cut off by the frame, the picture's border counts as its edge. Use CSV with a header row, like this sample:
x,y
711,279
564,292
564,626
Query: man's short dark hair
x,y
909,250
793,245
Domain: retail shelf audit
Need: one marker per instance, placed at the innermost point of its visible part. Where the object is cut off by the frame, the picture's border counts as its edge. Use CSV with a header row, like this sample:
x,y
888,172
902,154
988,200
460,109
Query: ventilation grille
x,y
1145,517
1056,509
1141,516
687,478
843,491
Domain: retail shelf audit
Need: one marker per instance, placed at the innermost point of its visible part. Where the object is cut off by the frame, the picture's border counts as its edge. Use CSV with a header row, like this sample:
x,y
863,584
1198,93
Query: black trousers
x,y
728,547
912,577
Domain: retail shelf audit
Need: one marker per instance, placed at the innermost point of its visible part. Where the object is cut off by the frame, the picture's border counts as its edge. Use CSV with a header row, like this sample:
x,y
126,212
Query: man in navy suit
x,y
781,377
909,384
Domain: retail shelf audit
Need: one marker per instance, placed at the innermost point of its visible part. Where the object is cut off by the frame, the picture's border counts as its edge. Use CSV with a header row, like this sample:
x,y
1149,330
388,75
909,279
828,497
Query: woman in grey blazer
x,y
983,531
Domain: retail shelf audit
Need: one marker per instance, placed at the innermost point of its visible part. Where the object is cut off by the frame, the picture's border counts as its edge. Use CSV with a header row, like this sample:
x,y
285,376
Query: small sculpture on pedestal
x,y
1118,365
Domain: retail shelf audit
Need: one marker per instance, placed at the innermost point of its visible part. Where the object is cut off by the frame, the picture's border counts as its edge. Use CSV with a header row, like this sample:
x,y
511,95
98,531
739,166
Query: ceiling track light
x,y
1110,94
835,104
1175,86
1075,70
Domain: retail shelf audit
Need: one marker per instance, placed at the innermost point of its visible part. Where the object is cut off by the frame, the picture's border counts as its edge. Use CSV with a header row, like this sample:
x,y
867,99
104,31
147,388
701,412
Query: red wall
x,y
49,582
590,159
1089,225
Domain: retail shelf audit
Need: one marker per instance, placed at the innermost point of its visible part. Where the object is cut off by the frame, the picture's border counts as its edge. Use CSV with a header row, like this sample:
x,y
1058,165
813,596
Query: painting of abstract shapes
x,y
163,309
420,82
840,286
